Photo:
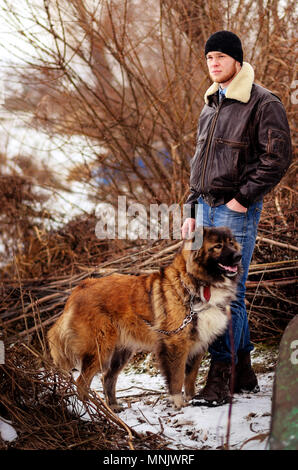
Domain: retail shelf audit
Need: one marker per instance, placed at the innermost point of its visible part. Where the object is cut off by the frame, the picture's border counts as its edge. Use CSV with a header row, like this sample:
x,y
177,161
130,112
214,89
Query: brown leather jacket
x,y
243,144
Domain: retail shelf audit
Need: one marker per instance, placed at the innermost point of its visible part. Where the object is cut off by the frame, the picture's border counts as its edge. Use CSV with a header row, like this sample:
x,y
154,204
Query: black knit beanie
x,y
226,42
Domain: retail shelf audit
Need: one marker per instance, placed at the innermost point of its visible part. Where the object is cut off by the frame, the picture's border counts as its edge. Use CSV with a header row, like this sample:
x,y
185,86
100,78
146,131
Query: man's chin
x,y
223,77
216,77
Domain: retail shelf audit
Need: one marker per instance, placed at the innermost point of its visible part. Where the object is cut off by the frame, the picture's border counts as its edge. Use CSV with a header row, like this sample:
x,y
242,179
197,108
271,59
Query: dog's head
x,y
218,258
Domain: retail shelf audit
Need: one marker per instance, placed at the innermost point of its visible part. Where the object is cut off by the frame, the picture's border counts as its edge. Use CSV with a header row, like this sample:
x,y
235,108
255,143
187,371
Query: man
x,y
243,150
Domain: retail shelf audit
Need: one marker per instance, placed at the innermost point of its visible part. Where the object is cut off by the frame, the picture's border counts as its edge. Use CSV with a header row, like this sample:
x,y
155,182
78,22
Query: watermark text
x,y
135,221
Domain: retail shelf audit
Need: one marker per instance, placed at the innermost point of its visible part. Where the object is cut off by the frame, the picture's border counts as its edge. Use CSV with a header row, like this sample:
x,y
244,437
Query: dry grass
x,y
47,415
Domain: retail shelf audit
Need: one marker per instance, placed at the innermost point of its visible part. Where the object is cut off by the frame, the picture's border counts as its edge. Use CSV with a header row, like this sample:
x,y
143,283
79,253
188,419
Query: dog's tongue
x,y
233,269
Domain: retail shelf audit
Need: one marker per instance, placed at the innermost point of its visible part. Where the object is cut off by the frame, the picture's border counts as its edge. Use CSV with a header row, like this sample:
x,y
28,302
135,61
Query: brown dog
x,y
175,313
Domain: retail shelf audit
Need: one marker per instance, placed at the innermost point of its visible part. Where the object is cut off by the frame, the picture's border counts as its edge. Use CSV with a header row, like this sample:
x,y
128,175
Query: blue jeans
x,y
244,227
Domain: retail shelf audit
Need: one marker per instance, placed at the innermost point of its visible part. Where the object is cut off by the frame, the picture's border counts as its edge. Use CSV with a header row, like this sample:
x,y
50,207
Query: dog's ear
x,y
194,241
193,259
187,244
195,254
198,237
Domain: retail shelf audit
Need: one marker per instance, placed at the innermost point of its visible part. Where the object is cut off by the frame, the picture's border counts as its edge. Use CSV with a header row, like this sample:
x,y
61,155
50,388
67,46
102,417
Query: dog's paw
x,y
177,400
116,407
187,398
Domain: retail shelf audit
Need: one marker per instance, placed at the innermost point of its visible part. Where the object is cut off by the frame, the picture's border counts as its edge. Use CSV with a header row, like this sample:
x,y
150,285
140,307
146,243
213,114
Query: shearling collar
x,y
240,87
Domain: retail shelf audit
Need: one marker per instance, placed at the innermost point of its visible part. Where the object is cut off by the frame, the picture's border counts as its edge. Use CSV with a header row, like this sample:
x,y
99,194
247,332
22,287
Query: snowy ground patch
x,y
146,407
7,432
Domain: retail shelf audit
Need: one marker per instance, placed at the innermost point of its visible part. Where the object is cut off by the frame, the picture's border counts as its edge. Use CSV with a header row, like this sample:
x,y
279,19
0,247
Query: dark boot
x,y
245,378
217,390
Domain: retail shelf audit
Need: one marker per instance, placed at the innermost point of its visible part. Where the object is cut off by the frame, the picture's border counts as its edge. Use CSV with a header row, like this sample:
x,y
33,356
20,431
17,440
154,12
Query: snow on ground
x,y
199,427
147,408
7,432
142,392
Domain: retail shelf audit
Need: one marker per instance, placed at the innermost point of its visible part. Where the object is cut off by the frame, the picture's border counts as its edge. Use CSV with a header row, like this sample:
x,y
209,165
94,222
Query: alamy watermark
x,y
294,355
135,221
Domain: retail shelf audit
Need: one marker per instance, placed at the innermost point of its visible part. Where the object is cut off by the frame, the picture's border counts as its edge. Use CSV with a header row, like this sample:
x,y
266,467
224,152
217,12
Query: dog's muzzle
x,y
231,270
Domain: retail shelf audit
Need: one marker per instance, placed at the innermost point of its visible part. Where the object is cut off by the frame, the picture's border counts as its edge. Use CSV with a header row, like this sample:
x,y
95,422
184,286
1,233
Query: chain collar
x,y
192,314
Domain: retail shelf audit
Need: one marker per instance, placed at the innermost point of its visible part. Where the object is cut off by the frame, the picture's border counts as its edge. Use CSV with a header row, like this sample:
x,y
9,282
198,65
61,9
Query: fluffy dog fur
x,y
106,320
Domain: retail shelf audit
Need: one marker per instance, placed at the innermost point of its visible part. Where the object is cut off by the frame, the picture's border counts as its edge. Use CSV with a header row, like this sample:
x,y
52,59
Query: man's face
x,y
222,68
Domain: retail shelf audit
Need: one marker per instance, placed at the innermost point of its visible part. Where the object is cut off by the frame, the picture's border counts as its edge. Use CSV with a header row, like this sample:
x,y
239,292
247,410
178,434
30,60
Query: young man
x,y
243,150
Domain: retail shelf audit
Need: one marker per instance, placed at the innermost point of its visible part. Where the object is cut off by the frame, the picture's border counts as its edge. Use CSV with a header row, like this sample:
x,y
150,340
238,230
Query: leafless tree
x,y
129,76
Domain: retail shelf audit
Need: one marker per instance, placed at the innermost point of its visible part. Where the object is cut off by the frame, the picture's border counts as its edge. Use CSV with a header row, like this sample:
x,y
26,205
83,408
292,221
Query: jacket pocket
x,y
228,162
277,142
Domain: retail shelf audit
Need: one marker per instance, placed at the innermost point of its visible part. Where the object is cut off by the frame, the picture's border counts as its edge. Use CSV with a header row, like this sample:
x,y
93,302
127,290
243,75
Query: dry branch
x,y
277,243
45,410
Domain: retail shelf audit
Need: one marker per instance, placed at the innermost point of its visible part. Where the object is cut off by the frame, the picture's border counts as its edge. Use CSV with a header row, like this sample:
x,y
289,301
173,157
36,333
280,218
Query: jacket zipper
x,y
214,120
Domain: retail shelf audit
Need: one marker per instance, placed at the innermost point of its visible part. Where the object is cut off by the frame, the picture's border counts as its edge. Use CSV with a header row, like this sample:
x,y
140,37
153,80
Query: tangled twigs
x,y
118,420
47,414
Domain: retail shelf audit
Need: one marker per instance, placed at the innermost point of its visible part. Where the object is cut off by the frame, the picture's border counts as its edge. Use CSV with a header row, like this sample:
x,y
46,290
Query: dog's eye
x,y
217,247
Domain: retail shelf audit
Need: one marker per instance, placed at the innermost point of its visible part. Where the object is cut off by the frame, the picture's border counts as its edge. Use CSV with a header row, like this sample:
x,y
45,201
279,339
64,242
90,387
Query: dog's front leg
x,y
191,372
172,359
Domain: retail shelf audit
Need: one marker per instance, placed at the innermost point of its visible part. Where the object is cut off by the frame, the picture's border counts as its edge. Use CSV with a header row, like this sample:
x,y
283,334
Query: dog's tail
x,y
62,343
